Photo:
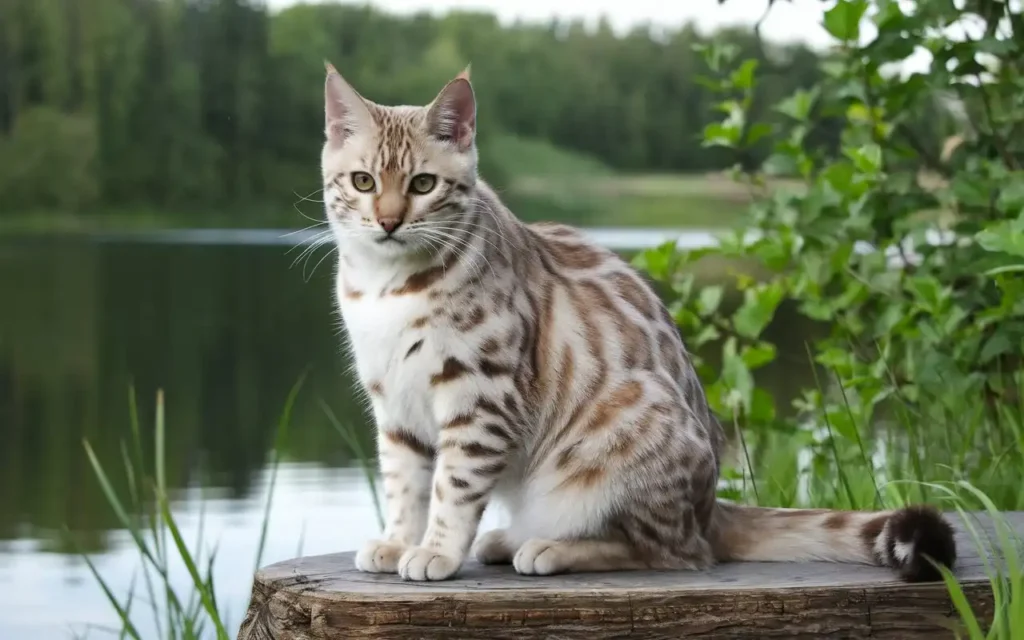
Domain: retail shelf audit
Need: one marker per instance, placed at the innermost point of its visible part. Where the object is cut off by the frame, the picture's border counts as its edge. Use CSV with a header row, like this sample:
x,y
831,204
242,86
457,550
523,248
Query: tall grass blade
x,y
868,463
139,469
128,605
746,458
352,441
280,440
112,499
126,623
831,435
956,594
190,565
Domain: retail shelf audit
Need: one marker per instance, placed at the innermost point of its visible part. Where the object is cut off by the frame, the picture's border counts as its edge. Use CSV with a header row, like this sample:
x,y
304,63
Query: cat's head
x,y
396,178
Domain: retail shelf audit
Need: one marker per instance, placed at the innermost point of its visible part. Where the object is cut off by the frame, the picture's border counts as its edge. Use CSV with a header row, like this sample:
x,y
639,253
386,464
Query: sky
x,y
789,20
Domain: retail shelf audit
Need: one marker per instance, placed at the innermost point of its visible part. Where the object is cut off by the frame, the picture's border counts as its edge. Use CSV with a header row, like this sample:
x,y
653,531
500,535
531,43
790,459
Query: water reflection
x,y
225,329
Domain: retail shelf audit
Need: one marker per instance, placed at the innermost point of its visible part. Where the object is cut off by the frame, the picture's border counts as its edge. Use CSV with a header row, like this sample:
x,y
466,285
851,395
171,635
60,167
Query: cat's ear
x,y
345,111
451,117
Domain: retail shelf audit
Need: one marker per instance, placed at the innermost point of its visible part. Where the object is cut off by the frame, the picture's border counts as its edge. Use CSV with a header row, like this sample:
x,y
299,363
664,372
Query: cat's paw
x,y
380,556
493,548
540,558
419,563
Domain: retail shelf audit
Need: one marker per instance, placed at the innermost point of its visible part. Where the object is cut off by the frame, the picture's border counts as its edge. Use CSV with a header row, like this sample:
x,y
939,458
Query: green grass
x,y
1006,579
524,157
145,513
846,462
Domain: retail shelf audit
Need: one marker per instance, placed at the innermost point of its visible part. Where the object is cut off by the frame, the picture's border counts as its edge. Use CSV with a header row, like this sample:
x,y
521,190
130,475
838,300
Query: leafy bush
x,y
910,256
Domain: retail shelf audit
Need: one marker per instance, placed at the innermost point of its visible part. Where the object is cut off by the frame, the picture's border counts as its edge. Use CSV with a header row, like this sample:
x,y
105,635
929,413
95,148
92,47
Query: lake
x,y
225,324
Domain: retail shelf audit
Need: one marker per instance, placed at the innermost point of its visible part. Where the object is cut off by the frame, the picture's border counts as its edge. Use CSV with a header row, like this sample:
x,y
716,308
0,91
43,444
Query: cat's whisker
x,y
295,205
307,198
455,240
453,247
463,254
437,251
319,235
317,265
466,231
318,242
305,247
311,255
483,207
303,230
301,213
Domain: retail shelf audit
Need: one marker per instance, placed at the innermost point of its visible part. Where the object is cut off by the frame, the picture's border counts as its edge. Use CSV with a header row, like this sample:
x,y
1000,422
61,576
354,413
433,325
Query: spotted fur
x,y
524,364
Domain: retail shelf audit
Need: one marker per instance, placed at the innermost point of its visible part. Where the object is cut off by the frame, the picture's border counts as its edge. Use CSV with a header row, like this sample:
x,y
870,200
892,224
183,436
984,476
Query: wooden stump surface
x,y
325,597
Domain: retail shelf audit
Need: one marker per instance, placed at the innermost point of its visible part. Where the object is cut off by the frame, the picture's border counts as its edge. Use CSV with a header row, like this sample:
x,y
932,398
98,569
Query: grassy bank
x,y
537,180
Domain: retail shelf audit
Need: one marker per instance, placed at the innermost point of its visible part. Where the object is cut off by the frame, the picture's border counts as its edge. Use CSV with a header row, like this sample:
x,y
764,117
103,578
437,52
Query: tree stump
x,y
325,597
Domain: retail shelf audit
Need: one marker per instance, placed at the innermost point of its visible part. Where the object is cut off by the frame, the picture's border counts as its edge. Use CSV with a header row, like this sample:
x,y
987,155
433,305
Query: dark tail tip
x,y
918,537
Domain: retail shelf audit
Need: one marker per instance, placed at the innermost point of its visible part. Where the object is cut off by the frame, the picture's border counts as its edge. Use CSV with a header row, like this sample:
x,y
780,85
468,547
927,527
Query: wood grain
x,y
324,597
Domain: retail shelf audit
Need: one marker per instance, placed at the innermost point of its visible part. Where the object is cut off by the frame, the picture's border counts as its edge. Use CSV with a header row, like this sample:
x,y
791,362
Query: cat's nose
x,y
389,224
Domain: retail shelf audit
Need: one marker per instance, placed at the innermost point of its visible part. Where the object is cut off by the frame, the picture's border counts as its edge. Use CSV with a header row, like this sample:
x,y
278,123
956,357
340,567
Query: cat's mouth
x,y
389,238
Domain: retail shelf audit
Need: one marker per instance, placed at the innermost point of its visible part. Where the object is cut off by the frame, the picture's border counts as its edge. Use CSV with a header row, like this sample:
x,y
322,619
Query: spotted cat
x,y
523,364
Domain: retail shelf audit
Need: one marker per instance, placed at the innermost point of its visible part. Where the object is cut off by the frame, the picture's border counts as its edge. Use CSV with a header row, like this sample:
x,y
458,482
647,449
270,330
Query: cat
x,y
525,364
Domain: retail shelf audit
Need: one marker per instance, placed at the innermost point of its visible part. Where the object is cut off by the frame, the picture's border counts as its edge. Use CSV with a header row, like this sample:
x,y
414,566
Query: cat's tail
x,y
903,539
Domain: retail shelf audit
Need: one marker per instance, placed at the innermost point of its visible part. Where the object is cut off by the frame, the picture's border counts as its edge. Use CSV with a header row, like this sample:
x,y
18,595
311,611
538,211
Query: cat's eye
x,y
363,181
422,183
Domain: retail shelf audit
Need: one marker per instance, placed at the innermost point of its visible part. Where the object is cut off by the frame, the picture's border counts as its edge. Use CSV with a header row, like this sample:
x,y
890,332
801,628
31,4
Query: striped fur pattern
x,y
523,365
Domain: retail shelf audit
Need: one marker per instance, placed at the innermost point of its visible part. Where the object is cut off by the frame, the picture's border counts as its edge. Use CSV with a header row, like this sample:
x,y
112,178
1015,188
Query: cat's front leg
x,y
406,464
475,441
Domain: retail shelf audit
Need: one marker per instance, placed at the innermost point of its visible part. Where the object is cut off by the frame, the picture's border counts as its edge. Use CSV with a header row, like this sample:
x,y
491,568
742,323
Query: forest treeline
x,y
172,104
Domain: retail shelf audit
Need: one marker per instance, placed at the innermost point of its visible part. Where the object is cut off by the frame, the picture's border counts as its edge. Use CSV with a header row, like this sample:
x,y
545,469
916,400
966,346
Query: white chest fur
x,y
395,351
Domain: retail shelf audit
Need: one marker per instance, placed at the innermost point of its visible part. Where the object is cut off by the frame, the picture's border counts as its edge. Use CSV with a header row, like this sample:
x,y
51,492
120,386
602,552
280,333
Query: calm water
x,y
225,325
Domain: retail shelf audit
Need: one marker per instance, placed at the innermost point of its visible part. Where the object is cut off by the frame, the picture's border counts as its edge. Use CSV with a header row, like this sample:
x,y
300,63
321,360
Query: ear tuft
x,y
345,111
464,74
452,115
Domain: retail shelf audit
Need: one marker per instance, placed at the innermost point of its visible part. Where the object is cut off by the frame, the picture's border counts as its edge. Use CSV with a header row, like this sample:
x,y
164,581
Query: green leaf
x,y
971,190
840,419
817,309
743,78
889,15
867,158
717,53
705,335
1010,268
799,105
1011,197
756,356
757,131
839,176
758,309
843,20
736,377
717,134
762,406
1007,237
715,393
709,299
657,262
995,346
927,291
